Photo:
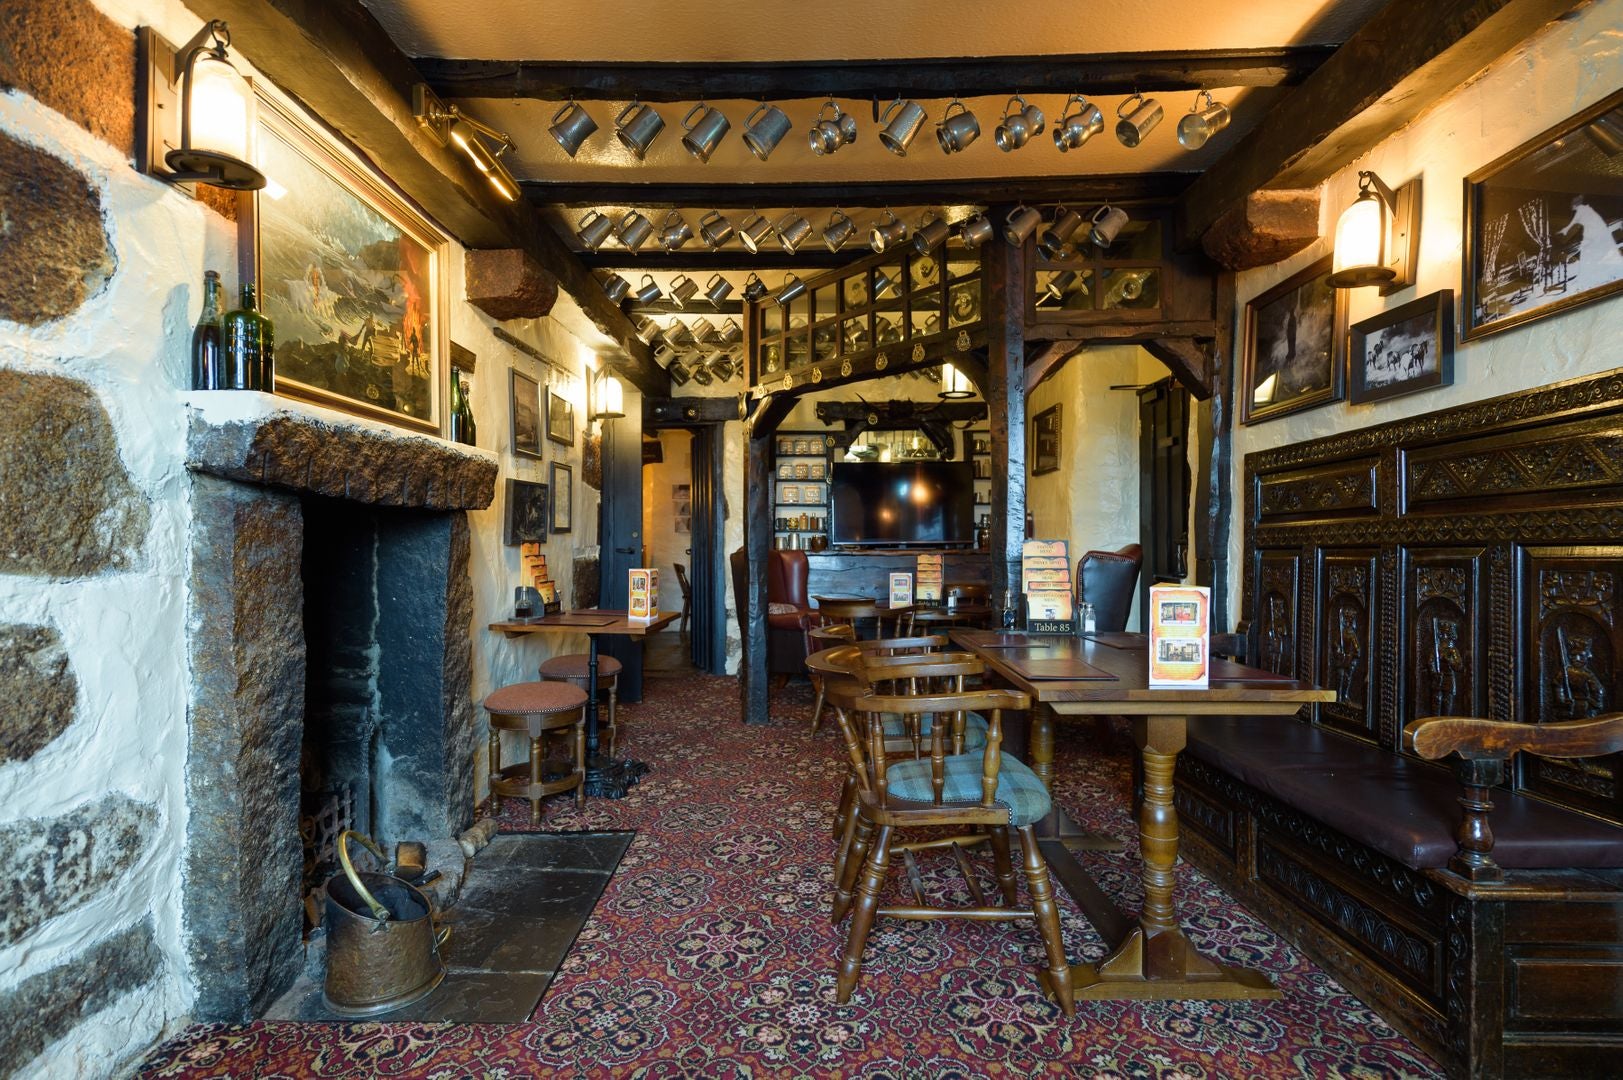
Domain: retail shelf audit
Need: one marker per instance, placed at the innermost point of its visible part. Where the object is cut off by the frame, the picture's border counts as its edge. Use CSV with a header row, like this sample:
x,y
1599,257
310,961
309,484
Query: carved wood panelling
x,y
1278,601
1457,554
1345,658
1564,464
1444,643
1572,642
1318,493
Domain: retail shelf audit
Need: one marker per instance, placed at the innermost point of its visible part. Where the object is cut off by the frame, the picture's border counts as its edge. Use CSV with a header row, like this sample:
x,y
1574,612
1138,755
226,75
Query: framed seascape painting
x,y
351,277
563,497
525,406
560,418
1542,224
1403,350
1294,341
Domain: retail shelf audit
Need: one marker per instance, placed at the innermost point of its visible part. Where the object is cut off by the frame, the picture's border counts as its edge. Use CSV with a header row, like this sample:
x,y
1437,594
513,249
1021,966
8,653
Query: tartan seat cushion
x,y
1018,789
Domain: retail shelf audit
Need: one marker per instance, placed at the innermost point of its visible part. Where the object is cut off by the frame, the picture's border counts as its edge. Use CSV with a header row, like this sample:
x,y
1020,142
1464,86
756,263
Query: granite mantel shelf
x,y
257,438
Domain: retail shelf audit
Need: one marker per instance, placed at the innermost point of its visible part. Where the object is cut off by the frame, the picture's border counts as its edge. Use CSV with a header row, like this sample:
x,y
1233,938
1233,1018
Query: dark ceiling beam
x,y
1393,68
701,260
335,59
924,77
1121,188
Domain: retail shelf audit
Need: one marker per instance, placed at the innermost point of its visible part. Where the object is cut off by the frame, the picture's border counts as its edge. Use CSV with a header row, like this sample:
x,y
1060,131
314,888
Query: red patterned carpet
x,y
710,954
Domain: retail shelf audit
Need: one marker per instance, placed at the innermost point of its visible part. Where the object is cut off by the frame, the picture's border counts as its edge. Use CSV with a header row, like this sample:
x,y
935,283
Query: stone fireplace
x,y
329,640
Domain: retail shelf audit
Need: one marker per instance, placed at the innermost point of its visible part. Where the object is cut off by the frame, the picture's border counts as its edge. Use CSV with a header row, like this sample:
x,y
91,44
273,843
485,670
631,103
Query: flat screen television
x,y
902,503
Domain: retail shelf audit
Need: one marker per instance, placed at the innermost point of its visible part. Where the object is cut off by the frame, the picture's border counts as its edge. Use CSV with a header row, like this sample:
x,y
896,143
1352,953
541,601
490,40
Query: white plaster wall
x,y
666,547
125,632
1570,65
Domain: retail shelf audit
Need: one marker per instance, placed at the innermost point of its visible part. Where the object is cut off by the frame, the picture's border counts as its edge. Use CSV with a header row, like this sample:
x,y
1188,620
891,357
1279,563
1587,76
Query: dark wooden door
x,y
1163,497
620,530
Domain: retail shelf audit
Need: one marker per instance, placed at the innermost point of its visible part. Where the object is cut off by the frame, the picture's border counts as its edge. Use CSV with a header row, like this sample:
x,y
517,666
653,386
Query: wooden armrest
x,y
1484,746
1472,738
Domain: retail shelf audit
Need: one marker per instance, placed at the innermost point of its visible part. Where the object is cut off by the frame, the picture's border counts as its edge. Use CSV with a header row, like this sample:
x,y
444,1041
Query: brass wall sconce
x,y
1378,237
194,111
449,125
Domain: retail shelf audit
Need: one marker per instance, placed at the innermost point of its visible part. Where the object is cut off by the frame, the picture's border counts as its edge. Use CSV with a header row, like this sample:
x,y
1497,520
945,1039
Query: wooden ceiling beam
x,y
1121,188
922,77
1396,66
339,63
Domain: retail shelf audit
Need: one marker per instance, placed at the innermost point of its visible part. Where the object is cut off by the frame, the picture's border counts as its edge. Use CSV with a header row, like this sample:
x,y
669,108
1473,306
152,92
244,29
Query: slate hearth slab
x,y
524,902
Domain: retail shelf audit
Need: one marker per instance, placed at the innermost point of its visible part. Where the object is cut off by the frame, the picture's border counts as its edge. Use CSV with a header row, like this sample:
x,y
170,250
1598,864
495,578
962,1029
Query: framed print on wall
x,y
560,418
351,277
1403,350
1045,436
563,497
1541,224
526,519
1294,341
525,411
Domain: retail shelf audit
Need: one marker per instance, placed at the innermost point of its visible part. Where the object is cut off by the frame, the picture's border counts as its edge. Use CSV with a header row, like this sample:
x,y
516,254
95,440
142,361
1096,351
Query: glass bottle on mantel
x,y
207,355
463,429
249,345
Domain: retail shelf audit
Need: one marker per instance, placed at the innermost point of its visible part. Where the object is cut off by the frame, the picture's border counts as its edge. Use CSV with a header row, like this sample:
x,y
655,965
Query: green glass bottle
x,y
248,346
207,356
463,429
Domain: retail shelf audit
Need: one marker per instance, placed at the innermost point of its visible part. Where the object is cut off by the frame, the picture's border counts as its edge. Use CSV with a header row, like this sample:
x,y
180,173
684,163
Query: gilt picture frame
x,y
1295,346
351,276
1541,224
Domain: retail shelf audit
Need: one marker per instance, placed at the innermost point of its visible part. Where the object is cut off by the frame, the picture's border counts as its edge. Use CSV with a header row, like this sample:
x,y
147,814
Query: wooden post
x,y
1005,394
757,543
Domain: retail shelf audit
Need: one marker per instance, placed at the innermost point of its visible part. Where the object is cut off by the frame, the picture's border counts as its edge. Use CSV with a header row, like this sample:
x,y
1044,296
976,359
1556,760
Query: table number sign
x,y
901,589
1180,635
643,602
1045,578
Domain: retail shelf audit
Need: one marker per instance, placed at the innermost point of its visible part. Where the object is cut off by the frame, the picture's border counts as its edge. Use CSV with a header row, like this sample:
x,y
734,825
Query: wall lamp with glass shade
x,y
1378,237
608,398
954,383
194,111
449,125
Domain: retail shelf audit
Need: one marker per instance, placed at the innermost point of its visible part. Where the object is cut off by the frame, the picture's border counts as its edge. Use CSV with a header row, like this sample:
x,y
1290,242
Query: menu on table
x,y
1045,578
643,602
1180,635
929,580
901,589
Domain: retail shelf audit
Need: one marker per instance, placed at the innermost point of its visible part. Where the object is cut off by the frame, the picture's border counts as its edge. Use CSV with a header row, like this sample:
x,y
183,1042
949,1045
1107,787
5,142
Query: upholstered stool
x,y
571,668
540,709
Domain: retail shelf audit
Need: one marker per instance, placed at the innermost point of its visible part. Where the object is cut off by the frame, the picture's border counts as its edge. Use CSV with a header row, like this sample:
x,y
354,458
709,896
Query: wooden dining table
x,y
1107,674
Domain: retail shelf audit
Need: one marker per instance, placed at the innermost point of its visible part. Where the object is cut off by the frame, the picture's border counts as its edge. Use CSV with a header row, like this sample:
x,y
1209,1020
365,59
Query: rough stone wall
x,y
99,281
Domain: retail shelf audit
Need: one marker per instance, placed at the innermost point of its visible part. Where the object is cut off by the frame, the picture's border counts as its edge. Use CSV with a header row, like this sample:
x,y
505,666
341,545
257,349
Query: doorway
x,y
1163,499
682,523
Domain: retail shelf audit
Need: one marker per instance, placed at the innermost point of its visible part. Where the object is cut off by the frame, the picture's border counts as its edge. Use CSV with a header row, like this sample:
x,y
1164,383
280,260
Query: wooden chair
x,y
687,595
819,638
847,612
990,790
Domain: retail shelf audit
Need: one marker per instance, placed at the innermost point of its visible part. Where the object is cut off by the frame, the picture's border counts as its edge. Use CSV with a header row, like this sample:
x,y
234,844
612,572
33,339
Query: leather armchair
x,y
787,577
1109,582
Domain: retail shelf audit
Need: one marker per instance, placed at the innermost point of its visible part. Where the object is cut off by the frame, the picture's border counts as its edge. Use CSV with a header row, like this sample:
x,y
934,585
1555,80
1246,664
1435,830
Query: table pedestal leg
x,y
1058,824
1156,960
605,778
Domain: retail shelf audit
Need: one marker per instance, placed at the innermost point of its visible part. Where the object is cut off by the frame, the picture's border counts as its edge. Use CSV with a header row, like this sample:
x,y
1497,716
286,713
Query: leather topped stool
x,y
541,710
571,668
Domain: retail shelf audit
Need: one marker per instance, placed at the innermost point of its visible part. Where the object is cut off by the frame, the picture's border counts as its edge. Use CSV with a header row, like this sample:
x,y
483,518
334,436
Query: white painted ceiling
x,y
739,30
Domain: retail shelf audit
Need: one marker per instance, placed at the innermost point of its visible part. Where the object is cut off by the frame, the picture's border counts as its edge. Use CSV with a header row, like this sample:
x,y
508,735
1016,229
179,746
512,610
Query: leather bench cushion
x,y
786,620
1399,806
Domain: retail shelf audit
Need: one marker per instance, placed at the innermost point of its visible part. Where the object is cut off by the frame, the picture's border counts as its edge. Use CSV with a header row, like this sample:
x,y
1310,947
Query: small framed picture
x,y
1045,441
560,418
526,414
1293,346
526,505
1408,348
563,497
